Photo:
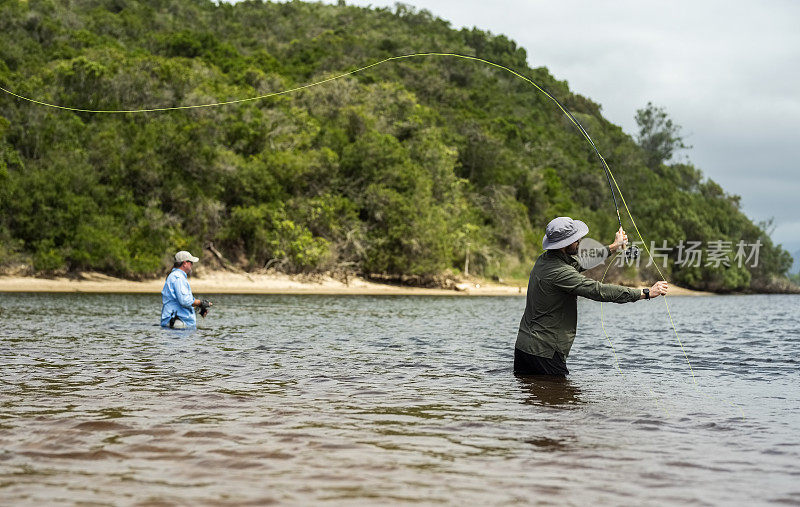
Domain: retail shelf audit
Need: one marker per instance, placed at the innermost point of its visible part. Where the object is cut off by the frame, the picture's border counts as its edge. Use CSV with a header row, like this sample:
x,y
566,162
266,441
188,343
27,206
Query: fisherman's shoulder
x,y
175,275
552,259
551,265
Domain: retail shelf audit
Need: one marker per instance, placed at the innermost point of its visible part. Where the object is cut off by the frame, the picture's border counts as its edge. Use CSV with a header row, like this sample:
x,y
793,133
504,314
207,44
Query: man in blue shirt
x,y
178,303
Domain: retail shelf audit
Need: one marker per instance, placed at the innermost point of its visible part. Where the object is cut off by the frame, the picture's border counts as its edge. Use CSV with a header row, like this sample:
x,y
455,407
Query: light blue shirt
x,y
177,298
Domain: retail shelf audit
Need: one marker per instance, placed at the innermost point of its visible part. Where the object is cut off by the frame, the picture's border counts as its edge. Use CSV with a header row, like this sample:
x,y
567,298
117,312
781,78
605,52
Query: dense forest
x,y
398,170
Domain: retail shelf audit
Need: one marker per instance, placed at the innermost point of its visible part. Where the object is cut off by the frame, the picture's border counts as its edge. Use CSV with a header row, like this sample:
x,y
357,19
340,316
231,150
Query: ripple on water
x,y
289,399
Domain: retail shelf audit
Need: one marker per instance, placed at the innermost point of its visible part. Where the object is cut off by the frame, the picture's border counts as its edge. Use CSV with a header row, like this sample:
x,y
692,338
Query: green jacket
x,y
551,309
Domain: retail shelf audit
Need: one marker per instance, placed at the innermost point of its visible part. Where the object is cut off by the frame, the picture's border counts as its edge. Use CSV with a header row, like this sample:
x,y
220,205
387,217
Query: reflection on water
x,y
341,400
545,390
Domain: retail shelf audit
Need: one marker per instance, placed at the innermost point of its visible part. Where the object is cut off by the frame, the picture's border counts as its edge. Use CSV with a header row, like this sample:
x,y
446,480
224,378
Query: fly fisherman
x,y
547,328
178,303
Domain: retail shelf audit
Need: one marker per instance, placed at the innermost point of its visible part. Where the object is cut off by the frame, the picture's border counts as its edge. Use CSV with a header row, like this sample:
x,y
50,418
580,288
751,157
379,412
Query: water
x,y
366,400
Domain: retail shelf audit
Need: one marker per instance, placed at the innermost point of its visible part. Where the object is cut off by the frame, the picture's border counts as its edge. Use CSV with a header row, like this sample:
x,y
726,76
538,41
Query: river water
x,y
367,400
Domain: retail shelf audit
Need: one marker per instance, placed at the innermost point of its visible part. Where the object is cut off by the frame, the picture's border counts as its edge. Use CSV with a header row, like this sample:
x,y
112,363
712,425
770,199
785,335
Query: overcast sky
x,y
727,72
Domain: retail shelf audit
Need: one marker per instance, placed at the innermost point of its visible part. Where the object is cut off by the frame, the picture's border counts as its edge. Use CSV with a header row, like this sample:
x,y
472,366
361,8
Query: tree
x,y
658,136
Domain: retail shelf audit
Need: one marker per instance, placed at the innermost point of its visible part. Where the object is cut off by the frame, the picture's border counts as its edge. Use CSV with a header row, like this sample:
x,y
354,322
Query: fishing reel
x,y
204,306
632,252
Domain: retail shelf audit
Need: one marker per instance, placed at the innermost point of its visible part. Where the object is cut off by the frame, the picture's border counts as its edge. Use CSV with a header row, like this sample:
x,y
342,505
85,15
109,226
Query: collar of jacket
x,y
568,259
182,272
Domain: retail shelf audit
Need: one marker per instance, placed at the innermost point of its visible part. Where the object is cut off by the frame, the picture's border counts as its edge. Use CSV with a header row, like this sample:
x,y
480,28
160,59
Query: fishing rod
x,y
632,251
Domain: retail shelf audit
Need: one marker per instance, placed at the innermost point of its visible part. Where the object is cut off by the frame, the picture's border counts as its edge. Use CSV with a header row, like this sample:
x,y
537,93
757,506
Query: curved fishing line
x,y
666,304
194,106
616,358
652,261
609,174
614,350
567,113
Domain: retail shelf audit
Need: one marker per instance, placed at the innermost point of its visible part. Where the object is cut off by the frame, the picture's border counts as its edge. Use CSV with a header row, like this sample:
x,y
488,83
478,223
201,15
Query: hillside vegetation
x,y
393,171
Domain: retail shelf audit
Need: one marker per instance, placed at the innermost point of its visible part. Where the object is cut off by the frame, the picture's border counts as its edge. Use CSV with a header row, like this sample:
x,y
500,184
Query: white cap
x,y
183,255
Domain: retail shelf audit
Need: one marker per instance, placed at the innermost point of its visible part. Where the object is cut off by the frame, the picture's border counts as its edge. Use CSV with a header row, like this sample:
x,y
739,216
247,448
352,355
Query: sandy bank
x,y
223,282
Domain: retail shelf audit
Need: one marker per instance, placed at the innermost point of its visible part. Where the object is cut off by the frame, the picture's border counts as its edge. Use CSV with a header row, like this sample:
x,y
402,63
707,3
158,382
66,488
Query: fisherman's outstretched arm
x,y
575,283
581,285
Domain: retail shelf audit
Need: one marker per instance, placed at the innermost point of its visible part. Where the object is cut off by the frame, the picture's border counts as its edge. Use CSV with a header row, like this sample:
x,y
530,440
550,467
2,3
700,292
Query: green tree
x,y
659,136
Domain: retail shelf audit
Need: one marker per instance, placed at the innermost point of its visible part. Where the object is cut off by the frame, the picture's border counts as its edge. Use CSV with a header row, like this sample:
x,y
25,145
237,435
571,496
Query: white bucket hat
x,y
563,231
183,255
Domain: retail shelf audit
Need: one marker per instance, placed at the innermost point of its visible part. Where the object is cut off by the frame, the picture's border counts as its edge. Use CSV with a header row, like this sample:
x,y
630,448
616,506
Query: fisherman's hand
x,y
620,240
659,289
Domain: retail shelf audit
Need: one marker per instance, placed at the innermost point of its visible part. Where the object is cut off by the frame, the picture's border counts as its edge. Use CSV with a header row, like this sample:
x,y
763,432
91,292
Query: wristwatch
x,y
646,293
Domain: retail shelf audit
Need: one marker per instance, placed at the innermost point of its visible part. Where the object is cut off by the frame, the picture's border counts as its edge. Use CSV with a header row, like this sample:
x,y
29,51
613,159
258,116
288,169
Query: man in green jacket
x,y
547,328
